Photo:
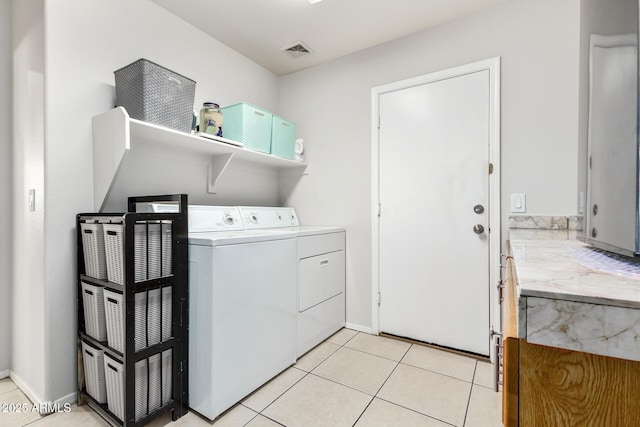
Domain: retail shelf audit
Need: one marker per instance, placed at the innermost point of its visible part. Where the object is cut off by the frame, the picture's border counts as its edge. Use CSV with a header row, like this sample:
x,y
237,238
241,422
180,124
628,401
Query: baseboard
x,y
44,408
66,401
359,328
4,374
33,397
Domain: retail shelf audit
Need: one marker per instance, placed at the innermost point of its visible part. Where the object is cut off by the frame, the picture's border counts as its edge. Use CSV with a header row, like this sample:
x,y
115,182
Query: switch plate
x,y
581,205
518,203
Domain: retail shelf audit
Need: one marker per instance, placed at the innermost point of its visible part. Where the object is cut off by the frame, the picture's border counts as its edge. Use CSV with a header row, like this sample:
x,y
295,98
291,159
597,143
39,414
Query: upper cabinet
x,y
115,135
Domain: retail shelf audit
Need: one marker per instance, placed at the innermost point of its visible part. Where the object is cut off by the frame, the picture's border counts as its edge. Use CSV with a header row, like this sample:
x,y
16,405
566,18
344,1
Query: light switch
x,y
518,203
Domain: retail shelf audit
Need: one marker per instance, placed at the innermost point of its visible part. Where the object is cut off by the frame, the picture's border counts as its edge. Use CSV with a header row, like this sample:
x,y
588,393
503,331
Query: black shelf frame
x,y
178,280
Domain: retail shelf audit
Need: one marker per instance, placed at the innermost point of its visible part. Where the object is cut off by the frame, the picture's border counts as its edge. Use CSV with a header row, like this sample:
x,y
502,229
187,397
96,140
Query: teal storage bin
x,y
283,138
248,124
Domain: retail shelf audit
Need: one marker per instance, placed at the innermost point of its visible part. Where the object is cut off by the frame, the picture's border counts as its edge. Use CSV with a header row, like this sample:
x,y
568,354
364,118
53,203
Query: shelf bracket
x,y
217,166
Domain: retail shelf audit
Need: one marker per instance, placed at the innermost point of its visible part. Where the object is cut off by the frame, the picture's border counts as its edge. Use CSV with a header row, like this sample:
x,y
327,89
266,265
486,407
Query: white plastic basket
x,y
154,250
160,391
95,264
167,313
159,315
155,382
167,375
94,372
166,248
114,375
154,313
114,315
94,317
114,247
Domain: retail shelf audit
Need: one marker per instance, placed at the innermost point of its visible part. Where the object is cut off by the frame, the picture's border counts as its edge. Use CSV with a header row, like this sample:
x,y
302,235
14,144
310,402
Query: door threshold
x,y
477,356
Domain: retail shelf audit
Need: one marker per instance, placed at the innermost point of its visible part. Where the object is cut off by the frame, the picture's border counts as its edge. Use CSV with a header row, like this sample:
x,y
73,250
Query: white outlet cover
x,y
518,203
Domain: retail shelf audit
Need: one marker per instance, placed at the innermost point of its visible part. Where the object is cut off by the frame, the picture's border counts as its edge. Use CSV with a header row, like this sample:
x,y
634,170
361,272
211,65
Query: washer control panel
x,y
214,218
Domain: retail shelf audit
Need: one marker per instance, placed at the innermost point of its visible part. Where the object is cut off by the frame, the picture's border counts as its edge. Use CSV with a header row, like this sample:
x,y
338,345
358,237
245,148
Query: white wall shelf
x,y
115,134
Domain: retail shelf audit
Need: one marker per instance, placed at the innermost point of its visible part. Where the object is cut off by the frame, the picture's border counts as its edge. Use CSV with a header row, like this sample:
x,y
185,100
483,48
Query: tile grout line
x,y
306,373
414,411
392,371
440,373
466,412
363,411
343,385
279,396
371,354
401,406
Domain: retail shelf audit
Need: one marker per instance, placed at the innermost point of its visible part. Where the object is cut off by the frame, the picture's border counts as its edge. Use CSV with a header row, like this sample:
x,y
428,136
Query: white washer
x,y
320,269
242,307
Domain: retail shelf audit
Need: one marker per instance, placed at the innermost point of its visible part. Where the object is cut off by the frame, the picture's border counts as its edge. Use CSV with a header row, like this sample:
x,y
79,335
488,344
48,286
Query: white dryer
x,y
321,272
243,309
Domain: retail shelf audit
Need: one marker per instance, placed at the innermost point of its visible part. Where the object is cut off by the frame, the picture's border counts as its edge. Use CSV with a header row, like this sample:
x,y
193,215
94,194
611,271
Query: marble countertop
x,y
554,264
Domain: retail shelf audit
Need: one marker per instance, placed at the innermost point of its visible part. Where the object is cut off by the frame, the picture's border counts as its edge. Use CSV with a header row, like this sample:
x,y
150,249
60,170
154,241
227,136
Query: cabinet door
x,y
570,388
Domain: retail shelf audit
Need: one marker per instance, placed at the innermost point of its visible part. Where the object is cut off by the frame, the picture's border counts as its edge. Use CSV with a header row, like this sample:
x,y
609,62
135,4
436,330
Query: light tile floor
x,y
351,379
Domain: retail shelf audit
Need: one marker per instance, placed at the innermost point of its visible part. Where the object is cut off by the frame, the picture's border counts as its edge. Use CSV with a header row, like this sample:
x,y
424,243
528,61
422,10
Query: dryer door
x,y
321,277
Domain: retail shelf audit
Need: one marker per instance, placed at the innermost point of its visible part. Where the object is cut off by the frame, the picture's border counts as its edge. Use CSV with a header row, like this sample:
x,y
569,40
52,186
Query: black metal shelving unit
x,y
178,280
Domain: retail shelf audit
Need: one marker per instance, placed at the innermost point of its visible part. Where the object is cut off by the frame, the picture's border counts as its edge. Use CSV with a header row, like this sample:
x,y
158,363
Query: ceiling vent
x,y
297,50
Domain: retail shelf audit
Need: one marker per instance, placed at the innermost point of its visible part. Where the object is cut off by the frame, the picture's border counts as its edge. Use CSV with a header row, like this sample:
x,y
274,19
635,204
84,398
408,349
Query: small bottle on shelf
x,y
211,119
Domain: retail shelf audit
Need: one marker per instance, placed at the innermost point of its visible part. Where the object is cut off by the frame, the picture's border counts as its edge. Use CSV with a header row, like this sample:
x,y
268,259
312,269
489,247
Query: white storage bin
x,y
114,316
167,239
160,379
94,378
114,247
155,382
154,312
167,313
114,375
167,376
159,315
154,251
94,317
95,264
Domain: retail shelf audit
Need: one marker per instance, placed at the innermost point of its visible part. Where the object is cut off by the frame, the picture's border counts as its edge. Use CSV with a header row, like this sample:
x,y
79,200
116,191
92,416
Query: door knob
x,y
478,209
478,229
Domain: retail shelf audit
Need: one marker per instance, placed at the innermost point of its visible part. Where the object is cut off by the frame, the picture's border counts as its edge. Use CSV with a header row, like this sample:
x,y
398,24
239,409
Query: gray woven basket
x,y
152,93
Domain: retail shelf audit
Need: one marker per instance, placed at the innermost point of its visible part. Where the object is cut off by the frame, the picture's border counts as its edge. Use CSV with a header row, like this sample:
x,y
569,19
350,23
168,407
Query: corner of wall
x,y
6,182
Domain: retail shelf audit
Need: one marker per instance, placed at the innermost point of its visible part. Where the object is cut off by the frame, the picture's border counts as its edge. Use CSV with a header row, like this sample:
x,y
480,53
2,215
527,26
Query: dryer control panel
x,y
256,217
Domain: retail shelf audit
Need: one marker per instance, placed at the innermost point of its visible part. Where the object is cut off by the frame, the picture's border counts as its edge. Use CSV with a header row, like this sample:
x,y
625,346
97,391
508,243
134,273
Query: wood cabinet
x,y
510,351
569,388
548,386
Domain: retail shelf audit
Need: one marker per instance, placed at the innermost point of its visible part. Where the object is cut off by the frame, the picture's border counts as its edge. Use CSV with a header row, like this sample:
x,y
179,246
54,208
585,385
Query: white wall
x,y
539,45
84,43
5,186
29,309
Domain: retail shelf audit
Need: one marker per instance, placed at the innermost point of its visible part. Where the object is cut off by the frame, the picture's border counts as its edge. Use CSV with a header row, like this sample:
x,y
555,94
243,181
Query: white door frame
x,y
493,66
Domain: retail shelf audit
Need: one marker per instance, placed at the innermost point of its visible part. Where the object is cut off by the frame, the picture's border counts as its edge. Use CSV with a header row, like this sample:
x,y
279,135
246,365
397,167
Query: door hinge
x,y
490,168
379,297
378,122
379,209
590,163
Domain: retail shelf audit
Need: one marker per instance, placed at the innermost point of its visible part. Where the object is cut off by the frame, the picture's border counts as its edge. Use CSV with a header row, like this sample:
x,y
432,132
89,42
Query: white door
x,y
434,147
